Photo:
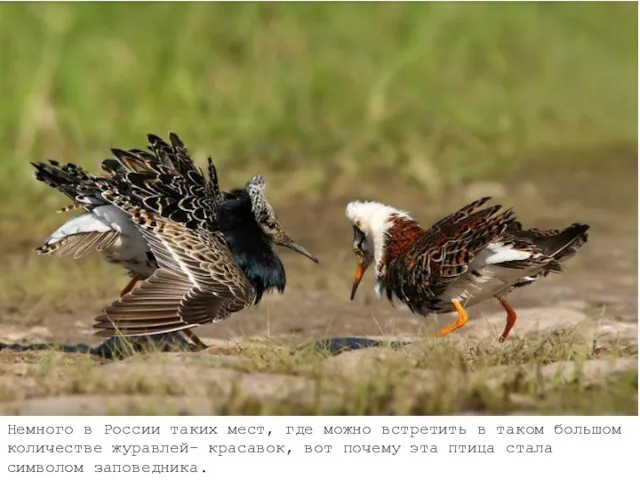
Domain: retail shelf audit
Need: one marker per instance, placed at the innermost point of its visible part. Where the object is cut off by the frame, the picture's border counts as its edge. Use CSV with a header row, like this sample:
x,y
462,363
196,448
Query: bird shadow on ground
x,y
113,348
119,348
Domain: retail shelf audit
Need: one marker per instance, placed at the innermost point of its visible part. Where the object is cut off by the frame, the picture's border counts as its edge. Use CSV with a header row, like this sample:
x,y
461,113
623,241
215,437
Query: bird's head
x,y
371,221
267,219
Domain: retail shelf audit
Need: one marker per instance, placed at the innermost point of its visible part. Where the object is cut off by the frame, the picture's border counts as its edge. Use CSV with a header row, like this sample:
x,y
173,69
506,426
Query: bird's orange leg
x,y
511,319
462,319
132,283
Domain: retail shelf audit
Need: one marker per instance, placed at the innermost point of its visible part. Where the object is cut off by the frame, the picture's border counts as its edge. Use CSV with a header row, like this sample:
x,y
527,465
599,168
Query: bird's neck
x,y
402,233
251,248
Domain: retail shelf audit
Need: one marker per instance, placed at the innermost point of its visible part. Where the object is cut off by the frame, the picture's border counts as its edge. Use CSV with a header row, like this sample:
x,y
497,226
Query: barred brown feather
x,y
197,281
168,182
421,267
79,244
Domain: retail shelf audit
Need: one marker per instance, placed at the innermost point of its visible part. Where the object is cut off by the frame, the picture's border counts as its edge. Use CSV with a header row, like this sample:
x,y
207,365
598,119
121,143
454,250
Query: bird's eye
x,y
271,226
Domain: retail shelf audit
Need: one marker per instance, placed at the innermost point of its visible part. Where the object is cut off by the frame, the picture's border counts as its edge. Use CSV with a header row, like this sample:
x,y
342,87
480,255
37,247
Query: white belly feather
x,y
486,278
130,244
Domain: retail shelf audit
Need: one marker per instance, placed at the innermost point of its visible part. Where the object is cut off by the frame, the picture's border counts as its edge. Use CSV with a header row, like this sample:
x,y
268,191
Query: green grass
x,y
317,94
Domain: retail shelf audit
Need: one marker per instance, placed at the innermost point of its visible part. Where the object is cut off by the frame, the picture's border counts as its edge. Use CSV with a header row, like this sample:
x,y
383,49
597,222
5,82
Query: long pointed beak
x,y
360,269
296,247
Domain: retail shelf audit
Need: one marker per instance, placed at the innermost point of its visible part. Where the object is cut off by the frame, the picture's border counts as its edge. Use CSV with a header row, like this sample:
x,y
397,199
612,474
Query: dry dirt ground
x,y
574,348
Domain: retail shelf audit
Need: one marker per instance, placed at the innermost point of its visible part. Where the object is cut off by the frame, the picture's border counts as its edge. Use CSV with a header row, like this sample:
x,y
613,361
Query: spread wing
x,y
197,280
166,181
444,252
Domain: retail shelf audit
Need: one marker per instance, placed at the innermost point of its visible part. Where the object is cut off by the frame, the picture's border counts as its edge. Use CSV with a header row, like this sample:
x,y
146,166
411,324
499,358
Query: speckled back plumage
x,y
420,264
168,182
70,179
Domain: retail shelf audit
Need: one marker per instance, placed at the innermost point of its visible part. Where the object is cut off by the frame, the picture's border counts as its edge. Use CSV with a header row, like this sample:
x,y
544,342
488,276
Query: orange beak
x,y
360,269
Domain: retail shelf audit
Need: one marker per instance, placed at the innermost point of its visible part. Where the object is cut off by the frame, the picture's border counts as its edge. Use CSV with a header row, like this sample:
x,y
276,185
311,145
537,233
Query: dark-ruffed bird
x,y
469,256
165,182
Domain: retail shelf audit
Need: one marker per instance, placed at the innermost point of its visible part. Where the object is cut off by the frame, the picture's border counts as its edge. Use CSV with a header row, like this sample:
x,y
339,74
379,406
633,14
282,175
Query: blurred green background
x,y
315,95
